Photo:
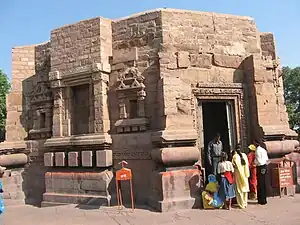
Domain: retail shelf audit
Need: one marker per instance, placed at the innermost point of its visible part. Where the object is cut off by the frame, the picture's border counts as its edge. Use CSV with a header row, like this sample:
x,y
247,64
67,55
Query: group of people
x,y
236,175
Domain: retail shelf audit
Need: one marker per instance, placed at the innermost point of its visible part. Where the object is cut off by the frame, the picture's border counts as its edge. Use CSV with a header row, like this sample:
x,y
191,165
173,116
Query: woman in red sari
x,y
252,178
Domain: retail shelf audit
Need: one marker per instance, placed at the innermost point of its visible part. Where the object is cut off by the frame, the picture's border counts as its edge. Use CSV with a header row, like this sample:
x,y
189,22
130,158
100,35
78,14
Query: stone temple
x,y
152,89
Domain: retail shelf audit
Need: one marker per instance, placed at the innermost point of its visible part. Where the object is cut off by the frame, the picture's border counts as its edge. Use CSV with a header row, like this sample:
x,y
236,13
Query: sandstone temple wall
x,y
136,42
101,91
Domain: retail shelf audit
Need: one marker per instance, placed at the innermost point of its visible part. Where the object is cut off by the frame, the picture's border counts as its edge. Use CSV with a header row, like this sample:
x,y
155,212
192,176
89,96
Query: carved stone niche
x,y
131,96
41,108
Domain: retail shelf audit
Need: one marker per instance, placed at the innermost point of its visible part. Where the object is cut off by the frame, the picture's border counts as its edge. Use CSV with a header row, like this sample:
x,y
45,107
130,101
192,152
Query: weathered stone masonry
x,y
102,91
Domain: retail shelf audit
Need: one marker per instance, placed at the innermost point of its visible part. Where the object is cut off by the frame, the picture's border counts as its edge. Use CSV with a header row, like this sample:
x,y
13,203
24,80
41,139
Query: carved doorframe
x,y
221,91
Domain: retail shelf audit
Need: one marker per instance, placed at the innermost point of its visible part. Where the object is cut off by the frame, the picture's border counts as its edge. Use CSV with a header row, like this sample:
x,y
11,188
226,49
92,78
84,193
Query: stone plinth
x,y
88,188
175,190
12,182
174,184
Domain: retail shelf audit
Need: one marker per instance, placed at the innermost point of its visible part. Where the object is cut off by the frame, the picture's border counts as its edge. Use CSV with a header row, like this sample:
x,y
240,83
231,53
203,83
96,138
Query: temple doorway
x,y
217,117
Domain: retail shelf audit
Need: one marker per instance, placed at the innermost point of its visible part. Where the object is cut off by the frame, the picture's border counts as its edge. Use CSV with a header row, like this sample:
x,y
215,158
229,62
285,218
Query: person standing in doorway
x,y
241,175
261,161
253,176
215,148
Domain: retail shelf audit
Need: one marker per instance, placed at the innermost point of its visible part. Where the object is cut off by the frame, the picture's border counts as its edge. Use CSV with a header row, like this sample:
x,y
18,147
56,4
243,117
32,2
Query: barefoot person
x,y
261,161
225,169
241,175
252,178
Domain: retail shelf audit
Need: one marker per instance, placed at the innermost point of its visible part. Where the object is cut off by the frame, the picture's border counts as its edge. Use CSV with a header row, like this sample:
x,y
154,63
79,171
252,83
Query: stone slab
x,y
54,198
60,158
73,159
87,158
48,159
104,158
183,59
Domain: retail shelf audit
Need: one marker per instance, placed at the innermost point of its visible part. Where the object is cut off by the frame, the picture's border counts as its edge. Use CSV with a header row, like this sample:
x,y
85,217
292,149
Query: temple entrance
x,y
217,117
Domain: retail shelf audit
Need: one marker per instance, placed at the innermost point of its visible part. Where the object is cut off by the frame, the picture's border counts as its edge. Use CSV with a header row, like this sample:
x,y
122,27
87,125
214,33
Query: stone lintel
x,y
13,145
79,140
174,136
79,71
131,122
278,130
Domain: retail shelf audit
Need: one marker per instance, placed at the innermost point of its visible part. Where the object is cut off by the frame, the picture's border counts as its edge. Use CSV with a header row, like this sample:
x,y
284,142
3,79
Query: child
x,y
225,169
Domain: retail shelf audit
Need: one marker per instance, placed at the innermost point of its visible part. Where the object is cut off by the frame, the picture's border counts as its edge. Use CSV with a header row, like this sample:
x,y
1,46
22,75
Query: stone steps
x,y
55,199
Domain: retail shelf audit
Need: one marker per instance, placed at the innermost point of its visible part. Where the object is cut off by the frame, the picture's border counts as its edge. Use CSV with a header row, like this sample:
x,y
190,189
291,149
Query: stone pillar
x,y
18,107
57,128
100,106
174,183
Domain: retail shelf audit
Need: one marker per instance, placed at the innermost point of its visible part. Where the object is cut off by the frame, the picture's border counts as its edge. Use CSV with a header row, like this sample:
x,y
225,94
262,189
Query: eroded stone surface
x,y
153,69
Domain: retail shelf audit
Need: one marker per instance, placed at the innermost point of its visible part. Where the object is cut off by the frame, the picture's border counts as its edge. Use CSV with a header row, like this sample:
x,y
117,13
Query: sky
x,y
26,22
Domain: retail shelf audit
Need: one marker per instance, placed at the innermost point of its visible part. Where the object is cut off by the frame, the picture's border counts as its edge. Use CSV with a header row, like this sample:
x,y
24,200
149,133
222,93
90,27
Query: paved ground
x,y
278,211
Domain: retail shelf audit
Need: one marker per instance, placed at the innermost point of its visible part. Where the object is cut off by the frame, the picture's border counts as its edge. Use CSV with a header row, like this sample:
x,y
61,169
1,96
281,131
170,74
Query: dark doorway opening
x,y
214,121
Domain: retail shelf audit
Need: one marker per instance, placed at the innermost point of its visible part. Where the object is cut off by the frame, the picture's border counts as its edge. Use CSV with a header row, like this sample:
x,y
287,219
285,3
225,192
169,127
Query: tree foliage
x,y
291,81
4,89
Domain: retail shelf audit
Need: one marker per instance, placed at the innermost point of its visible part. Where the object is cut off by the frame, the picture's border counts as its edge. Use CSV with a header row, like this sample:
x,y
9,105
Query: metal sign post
x,y
124,174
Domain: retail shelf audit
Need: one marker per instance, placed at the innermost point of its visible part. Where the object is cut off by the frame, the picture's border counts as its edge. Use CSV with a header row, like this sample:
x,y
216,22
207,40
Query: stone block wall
x,y
75,45
23,67
201,48
136,42
145,74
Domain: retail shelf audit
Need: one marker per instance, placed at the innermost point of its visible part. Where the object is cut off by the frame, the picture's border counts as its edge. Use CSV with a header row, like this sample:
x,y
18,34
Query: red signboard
x,y
282,177
285,177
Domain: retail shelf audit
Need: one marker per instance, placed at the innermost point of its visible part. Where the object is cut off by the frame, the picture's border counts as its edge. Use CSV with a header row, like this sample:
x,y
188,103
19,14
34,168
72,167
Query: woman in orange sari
x,y
252,178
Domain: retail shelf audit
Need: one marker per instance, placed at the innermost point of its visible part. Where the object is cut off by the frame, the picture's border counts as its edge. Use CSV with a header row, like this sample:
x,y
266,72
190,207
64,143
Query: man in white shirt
x,y
261,161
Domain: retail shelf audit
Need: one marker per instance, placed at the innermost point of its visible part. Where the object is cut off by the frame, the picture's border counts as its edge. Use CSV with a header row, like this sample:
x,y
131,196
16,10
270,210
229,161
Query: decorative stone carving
x,y
131,79
54,75
41,93
131,94
234,91
121,155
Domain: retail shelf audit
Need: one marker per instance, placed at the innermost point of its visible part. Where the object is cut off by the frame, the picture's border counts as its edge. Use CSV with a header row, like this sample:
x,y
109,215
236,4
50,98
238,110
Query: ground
x,y
278,211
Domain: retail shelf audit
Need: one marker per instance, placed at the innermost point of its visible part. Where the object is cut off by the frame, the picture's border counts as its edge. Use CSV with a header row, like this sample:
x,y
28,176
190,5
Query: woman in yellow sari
x,y
241,175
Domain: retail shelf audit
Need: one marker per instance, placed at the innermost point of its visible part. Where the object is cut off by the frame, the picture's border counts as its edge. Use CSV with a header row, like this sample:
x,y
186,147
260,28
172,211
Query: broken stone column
x,y
14,150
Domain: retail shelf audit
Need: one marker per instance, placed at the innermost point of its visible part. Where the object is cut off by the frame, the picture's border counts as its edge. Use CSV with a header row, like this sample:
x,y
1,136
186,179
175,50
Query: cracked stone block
x,y
48,159
73,159
87,158
60,159
104,158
